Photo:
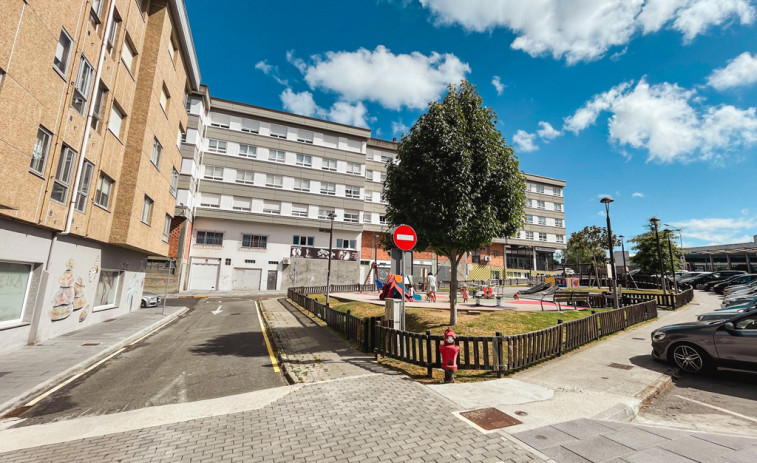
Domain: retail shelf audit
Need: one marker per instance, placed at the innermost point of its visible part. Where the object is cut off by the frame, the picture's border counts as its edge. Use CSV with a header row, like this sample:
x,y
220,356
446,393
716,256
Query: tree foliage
x,y
589,245
456,182
646,257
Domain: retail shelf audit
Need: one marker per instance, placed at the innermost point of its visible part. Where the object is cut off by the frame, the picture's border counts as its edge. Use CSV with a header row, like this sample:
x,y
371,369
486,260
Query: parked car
x,y
150,300
717,276
736,280
725,314
703,347
744,299
740,288
694,279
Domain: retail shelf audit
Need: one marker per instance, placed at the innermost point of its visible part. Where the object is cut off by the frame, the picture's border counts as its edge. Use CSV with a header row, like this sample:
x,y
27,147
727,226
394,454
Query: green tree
x,y
646,257
456,182
588,245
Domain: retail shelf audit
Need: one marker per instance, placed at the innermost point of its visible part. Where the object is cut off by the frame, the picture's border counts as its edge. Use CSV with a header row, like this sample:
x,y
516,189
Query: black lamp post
x,y
606,201
669,232
625,269
654,221
328,272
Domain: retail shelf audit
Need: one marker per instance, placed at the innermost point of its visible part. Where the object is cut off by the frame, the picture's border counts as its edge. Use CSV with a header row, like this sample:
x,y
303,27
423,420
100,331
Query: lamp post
x,y
625,269
654,221
606,201
680,236
328,272
669,232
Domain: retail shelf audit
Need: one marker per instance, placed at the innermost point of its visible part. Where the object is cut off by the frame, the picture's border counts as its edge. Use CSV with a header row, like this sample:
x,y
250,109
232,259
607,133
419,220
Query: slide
x,y
394,289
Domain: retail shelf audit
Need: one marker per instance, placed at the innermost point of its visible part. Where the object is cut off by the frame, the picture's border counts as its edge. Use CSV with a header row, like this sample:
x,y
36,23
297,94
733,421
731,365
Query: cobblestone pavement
x,y
367,418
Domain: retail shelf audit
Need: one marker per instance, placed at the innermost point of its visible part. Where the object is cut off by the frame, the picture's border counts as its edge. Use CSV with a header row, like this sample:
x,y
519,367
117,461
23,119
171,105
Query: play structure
x,y
563,282
394,289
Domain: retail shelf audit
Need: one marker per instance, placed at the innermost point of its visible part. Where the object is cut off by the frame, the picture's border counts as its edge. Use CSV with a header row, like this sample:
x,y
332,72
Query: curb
x,y
83,365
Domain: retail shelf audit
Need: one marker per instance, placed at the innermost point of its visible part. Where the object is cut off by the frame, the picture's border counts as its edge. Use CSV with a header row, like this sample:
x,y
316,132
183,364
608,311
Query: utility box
x,y
393,313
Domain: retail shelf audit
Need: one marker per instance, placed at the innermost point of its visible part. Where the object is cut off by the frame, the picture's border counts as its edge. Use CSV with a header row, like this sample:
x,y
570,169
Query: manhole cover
x,y
87,344
490,418
620,366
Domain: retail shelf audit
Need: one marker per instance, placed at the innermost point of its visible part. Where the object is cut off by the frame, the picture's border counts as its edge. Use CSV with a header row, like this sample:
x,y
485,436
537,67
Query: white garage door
x,y
246,278
203,275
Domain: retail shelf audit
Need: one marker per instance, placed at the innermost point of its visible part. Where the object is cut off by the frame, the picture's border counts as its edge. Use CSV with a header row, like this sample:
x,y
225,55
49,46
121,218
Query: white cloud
x,y
300,103
719,230
637,195
394,81
264,66
587,115
350,114
342,112
270,70
299,63
498,85
546,131
524,141
398,128
585,30
741,70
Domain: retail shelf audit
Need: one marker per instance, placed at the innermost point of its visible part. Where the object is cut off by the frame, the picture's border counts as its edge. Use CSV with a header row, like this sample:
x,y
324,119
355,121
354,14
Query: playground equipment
x,y
395,289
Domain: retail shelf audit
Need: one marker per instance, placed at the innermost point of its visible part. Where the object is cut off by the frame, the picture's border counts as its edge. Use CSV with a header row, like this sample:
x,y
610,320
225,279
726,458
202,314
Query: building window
x,y
560,238
278,131
165,97
40,151
299,210
369,175
104,191
242,204
386,158
368,196
351,191
84,185
107,289
541,205
542,220
542,237
298,240
382,219
209,238
351,216
247,151
558,223
245,176
475,257
382,177
367,217
220,120
329,164
556,191
216,146
540,188
305,136
325,213
172,49
529,235
304,160
274,181
174,181
250,126
254,241
157,152
96,7
147,210
63,52
116,122
276,156
558,206
14,291
127,56
213,173
328,188
301,184
113,31
354,168
227,261
210,200
529,202
166,228
63,174
530,219
345,244
83,86
271,207
97,112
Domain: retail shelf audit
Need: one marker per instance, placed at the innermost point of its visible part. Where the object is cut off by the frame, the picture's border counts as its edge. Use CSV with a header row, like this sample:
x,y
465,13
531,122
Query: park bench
x,y
570,297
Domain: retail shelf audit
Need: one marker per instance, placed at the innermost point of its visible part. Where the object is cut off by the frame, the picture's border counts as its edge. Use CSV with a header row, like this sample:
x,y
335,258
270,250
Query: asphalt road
x,y
215,350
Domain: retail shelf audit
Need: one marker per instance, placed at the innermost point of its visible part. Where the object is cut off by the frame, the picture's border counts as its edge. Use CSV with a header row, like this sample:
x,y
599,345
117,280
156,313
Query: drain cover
x,y
87,344
490,418
620,366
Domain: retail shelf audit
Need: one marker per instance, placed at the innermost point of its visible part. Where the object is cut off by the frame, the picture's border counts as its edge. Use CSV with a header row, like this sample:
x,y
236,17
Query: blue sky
x,y
651,102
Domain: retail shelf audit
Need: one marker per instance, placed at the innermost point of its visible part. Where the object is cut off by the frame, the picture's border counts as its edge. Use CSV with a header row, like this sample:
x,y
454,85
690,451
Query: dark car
x,y
693,280
717,276
702,347
737,280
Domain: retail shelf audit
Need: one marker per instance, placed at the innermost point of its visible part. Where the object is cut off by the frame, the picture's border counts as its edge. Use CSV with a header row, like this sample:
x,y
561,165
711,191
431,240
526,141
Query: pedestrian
x,y
465,292
431,279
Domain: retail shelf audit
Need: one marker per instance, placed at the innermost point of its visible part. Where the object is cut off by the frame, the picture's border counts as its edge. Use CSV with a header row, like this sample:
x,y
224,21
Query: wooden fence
x,y
672,301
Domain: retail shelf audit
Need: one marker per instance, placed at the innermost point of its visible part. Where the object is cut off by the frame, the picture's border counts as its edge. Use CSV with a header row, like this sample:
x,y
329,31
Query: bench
x,y
571,298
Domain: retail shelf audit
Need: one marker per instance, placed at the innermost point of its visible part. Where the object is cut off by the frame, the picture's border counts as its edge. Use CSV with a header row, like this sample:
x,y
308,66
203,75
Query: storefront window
x,y
14,282
107,289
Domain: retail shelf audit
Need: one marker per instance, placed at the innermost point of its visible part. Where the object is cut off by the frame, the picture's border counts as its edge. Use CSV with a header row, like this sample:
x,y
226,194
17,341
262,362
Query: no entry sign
x,y
404,237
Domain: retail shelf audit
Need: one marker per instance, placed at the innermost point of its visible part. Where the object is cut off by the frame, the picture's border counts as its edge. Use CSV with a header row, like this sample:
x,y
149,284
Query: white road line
x,y
714,407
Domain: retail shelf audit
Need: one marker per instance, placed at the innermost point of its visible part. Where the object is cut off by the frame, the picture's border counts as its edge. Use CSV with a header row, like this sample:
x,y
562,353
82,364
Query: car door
x,y
737,347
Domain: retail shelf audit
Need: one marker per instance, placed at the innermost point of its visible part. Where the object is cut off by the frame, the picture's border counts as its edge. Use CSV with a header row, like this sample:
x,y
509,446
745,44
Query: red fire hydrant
x,y
449,353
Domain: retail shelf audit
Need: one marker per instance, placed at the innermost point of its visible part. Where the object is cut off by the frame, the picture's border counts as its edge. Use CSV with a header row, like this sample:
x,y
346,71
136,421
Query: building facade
x,y
91,116
738,256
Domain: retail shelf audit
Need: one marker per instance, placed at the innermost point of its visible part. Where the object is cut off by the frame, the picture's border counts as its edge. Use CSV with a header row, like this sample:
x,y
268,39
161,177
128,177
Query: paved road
x,y
205,354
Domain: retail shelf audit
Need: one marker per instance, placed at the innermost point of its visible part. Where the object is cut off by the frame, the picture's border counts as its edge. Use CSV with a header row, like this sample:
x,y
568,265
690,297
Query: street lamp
x,y
625,269
680,236
328,272
606,201
655,221
669,232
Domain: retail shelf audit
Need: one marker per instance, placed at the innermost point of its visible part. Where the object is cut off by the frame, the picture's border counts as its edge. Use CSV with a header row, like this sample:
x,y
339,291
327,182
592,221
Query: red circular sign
x,y
404,237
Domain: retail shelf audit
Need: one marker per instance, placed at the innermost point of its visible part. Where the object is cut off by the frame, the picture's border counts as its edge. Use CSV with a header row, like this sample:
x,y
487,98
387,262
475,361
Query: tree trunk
x,y
453,261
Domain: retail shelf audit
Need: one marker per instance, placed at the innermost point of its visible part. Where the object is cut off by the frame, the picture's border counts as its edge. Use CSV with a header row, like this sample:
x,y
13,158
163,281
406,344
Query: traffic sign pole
x,y
404,238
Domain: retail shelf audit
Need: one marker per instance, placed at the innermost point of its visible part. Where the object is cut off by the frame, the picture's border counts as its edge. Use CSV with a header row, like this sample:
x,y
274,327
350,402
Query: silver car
x,y
150,300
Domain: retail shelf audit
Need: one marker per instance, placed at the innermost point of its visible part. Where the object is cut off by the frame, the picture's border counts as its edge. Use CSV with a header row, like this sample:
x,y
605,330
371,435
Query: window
x,y
530,219
542,237
62,52
299,210
96,7
216,146
127,56
166,228
84,185
298,240
147,210
157,151
211,238
351,216
276,156
560,238
304,160
331,141
301,184
329,164
325,213
540,188
113,31
174,181
104,190
529,235
250,126
107,289
354,168
249,261
254,241
271,207
172,49
63,174
274,181
40,151
247,151
382,219
382,177
213,173
278,131
558,223
245,176
346,244
116,122
164,98
368,196
369,175
220,120
558,206
328,188
529,202
83,86
475,257
542,220
210,200
242,204
305,137
556,191
14,295
386,158
352,191
227,261
97,113
367,217
541,205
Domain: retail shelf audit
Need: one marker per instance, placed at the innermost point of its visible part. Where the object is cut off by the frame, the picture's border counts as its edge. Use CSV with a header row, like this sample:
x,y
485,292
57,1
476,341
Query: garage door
x,y
247,278
203,275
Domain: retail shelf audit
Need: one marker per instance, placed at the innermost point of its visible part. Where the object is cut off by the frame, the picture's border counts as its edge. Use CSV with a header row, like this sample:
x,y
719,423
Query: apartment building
x,y
91,117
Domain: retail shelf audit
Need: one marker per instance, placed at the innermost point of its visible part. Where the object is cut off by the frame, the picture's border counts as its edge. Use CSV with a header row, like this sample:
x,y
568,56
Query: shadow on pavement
x,y
246,344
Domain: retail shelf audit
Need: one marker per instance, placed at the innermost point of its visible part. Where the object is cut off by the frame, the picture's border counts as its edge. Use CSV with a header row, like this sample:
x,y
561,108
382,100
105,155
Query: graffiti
x,y
135,284
323,253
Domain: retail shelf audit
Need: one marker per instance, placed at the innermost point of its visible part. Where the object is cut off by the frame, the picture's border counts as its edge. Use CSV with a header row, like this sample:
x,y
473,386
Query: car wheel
x,y
143,305
690,359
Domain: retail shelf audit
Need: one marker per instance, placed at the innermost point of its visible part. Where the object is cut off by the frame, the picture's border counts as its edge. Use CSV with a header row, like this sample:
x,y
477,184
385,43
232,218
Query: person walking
x,y
465,292
431,280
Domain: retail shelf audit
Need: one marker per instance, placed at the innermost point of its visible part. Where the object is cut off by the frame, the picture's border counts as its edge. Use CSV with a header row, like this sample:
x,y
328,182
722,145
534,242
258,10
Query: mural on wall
x,y
94,270
135,285
323,253
70,295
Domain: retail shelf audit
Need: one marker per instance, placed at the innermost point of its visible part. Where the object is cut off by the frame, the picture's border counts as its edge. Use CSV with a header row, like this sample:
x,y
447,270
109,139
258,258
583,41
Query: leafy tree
x,y
588,245
456,182
646,256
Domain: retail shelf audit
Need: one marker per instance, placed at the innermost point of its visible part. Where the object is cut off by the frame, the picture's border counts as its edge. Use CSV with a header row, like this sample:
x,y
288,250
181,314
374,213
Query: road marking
x,y
714,407
218,310
178,383
267,342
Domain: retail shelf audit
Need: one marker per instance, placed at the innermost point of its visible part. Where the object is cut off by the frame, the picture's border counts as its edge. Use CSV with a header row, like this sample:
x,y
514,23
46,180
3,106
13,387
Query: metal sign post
x,y
404,238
